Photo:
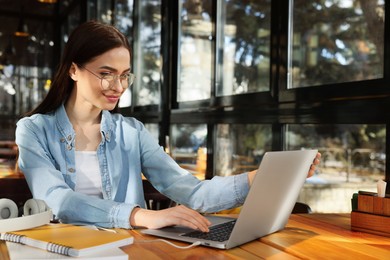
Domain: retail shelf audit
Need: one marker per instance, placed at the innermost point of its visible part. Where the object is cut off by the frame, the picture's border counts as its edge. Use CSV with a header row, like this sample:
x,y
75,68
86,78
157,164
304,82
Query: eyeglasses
x,y
107,79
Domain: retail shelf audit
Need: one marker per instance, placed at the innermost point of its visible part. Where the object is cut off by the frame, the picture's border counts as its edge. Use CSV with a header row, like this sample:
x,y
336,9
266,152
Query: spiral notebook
x,y
18,251
71,240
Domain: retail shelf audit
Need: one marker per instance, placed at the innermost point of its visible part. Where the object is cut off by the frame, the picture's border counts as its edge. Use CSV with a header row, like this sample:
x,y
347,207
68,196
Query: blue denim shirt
x,y
47,158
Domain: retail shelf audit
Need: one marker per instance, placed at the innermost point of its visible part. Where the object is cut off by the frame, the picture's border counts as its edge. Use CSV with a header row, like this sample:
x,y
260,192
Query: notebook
x,y
266,209
18,251
66,239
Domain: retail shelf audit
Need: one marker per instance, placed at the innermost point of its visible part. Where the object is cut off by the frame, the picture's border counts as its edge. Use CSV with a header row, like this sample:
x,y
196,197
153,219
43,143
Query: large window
x,y
124,21
221,82
245,44
336,41
147,59
196,50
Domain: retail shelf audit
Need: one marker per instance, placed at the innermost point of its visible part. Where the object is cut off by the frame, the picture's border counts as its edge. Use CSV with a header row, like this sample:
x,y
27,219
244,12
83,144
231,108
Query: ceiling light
x,y
22,30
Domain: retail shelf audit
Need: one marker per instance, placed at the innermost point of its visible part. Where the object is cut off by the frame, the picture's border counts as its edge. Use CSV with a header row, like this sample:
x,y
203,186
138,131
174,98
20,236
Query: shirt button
x,y
69,137
69,147
71,170
62,140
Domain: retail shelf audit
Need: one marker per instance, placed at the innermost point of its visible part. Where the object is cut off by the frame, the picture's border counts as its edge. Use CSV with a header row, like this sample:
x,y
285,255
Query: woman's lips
x,y
112,99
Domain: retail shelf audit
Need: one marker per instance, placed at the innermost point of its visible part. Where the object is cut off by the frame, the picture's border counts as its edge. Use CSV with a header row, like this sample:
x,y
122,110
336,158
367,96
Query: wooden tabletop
x,y
307,236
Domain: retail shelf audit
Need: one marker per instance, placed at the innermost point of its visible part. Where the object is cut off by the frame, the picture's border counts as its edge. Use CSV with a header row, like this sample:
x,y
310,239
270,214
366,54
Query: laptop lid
x,y
269,203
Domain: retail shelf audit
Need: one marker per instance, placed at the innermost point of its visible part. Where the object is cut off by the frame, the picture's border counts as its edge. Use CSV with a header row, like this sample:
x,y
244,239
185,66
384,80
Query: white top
x,y
89,180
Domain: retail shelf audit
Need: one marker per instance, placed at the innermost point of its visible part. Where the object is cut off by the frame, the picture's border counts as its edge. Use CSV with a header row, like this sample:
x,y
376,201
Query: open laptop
x,y
266,209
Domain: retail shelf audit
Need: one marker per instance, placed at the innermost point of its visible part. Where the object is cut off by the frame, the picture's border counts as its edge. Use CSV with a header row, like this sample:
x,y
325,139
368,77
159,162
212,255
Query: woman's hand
x,y
313,167
316,161
179,215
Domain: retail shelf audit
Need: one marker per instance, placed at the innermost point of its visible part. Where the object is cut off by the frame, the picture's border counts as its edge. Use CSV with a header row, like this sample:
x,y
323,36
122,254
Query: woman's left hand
x,y
313,167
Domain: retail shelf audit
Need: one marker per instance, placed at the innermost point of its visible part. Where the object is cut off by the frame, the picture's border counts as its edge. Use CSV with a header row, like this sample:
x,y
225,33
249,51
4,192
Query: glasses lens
x,y
106,84
131,79
109,81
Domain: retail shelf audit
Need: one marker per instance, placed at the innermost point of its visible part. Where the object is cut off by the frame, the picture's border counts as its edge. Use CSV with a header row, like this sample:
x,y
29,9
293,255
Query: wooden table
x,y
307,236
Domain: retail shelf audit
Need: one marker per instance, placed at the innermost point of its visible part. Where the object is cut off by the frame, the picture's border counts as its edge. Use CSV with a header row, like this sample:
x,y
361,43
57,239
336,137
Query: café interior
x,y
219,83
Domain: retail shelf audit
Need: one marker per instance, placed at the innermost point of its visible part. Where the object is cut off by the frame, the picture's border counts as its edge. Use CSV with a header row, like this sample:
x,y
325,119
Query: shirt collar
x,y
67,131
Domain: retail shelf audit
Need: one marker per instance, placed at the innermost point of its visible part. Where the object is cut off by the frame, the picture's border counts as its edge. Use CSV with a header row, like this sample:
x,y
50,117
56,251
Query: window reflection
x,y
196,50
146,54
245,46
336,41
188,146
353,158
240,147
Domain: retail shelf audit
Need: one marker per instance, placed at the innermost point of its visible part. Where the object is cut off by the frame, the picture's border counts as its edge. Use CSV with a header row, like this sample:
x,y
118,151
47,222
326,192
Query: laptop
x,y
266,209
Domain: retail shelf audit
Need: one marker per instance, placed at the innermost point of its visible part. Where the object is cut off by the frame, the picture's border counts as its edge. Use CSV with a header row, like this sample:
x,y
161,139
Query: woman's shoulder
x,y
37,119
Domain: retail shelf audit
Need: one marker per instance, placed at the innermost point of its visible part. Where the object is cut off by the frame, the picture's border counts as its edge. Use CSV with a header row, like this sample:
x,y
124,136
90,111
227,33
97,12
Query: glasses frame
x,y
111,83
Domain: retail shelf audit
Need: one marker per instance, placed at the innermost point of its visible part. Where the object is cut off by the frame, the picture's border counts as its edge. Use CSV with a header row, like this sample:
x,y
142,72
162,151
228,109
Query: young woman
x,y
86,162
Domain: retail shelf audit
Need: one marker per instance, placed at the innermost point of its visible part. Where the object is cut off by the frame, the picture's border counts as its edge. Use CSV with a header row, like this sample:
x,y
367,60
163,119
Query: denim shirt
x,y
46,145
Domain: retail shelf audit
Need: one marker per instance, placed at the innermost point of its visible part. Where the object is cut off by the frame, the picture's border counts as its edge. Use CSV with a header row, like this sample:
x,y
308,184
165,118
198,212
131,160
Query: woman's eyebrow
x,y
113,69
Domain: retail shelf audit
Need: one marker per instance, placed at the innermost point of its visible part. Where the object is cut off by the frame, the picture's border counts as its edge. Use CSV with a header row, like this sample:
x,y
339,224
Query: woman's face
x,y
92,90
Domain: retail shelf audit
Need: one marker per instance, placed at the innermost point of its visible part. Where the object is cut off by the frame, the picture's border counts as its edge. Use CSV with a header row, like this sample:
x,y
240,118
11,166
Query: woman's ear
x,y
72,71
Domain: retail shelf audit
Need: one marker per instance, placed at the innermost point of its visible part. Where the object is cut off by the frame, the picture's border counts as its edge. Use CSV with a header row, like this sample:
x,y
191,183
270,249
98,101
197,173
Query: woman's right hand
x,y
178,215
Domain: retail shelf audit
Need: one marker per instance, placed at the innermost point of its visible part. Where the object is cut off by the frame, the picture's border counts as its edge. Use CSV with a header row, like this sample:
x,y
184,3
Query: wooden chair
x,y
300,207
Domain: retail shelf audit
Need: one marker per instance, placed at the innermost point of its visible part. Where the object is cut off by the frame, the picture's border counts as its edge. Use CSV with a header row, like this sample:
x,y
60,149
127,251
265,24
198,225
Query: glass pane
x,y
353,159
73,20
124,22
92,10
196,50
336,41
188,147
239,148
22,88
104,11
124,17
147,58
245,46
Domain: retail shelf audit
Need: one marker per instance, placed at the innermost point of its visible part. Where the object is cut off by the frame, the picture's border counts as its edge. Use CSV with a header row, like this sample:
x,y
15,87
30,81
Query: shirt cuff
x,y
241,186
121,215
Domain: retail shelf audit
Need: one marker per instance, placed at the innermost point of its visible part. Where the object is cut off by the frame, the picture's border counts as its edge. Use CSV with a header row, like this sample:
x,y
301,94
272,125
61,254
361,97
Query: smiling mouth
x,y
113,98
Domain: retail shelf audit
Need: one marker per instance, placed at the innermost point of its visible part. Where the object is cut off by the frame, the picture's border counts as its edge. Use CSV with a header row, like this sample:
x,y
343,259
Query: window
x,y
245,44
336,41
239,148
124,22
188,147
353,159
146,54
196,36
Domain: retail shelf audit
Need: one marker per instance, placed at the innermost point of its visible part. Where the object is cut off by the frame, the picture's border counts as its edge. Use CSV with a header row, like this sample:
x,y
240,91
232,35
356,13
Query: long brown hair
x,y
86,42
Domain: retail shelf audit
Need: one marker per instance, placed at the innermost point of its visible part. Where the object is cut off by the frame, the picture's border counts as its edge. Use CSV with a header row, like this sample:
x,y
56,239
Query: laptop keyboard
x,y
219,233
